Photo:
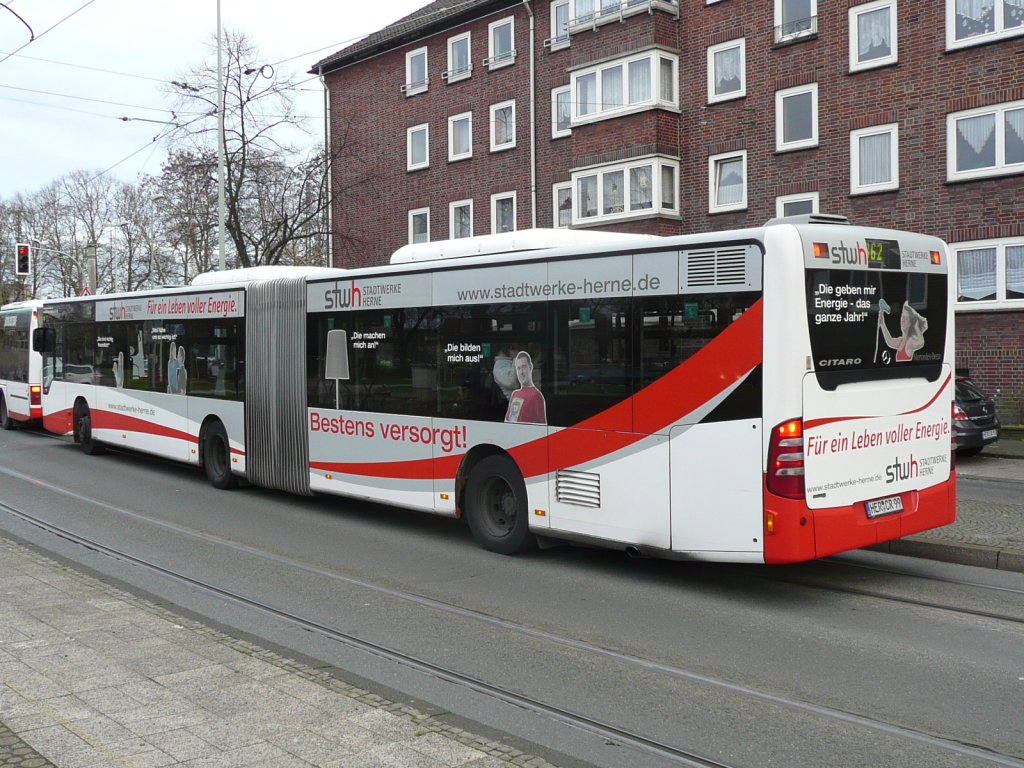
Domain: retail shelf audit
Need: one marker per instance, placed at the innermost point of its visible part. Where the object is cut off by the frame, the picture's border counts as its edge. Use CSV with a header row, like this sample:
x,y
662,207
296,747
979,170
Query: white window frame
x,y
780,114
412,216
1001,167
714,206
555,189
450,75
856,65
654,208
857,187
495,108
1000,246
999,32
654,101
411,88
713,50
616,11
782,200
555,93
780,34
410,165
452,157
555,43
495,199
451,216
492,61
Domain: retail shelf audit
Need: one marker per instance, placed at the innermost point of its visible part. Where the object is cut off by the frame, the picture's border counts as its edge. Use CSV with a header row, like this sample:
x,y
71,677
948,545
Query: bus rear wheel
x,y
217,458
6,422
83,432
496,507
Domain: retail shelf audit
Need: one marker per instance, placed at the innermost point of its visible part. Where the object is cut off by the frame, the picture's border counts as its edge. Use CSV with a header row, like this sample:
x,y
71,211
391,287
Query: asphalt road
x,y
866,659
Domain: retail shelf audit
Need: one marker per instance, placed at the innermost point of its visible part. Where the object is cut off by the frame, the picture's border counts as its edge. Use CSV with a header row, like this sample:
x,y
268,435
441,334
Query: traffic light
x,y
23,262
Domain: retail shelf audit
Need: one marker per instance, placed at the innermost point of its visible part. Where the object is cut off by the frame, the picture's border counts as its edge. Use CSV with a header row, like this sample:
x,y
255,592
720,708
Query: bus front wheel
x,y
496,507
83,432
217,458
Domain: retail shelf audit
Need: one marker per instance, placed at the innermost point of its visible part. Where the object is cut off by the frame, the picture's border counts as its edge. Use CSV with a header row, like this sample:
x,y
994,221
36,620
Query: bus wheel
x,y
83,432
217,458
5,418
496,507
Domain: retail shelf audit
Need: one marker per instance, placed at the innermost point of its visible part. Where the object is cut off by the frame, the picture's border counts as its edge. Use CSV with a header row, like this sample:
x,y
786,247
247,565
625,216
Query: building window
x,y
985,142
727,77
415,72
503,126
460,219
990,273
561,197
500,39
794,205
972,22
796,118
419,225
503,212
727,182
560,15
459,62
872,35
561,111
624,86
418,147
625,190
795,19
874,159
587,14
460,136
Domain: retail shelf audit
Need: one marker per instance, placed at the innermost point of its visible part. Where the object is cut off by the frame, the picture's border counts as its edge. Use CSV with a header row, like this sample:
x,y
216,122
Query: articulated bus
x,y
21,366
765,395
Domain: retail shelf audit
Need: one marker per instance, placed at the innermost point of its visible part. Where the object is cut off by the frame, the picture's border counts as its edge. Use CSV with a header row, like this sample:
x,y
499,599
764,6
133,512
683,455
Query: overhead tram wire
x,y
45,31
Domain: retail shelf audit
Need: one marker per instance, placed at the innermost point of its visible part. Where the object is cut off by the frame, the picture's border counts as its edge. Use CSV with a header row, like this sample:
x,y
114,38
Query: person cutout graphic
x,y
912,326
504,371
526,405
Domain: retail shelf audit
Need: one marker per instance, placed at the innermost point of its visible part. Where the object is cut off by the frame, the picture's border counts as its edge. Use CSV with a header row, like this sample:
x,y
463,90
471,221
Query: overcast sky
x,y
95,61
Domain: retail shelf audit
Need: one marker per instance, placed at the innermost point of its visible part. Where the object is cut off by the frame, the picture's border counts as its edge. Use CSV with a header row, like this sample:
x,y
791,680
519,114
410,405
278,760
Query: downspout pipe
x,y
329,169
533,121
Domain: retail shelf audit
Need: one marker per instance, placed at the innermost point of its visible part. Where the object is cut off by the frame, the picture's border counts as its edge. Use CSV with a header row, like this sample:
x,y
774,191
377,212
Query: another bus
x,y
766,395
21,366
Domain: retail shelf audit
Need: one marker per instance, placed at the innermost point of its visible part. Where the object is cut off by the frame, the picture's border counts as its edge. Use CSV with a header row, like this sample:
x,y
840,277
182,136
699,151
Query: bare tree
x,y
275,193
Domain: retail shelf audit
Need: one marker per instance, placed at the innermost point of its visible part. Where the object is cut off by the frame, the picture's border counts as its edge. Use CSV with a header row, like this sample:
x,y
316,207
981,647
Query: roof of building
x,y
439,14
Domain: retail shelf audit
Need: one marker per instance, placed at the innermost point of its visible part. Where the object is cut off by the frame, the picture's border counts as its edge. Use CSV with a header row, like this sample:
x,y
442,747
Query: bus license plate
x,y
886,506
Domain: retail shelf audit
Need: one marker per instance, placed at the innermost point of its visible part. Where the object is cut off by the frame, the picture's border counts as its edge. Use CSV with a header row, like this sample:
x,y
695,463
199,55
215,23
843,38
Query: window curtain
x,y
875,159
727,71
666,81
1015,136
1015,272
460,57
584,9
609,6
976,274
1013,13
564,207
586,94
873,29
640,191
503,126
978,134
563,105
730,181
463,224
640,81
611,87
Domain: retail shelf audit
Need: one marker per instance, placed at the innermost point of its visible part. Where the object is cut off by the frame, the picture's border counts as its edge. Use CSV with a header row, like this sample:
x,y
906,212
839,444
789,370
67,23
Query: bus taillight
x,y
36,394
786,460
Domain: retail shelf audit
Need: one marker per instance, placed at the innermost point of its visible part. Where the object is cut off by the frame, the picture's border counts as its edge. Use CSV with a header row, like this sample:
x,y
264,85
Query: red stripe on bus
x,y
720,364
114,420
815,423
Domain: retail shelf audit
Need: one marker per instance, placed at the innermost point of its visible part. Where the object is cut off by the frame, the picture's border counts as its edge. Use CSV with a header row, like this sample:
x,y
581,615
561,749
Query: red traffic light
x,y
23,262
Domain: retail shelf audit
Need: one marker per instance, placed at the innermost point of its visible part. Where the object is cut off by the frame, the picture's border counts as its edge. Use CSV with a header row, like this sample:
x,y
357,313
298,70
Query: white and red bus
x,y
771,394
21,366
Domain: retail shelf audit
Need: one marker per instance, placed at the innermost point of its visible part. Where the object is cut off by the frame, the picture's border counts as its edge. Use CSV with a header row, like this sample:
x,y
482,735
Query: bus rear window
x,y
875,324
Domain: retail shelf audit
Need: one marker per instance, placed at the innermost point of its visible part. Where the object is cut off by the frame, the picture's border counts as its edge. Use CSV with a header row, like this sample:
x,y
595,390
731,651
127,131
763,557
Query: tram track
x,y
612,734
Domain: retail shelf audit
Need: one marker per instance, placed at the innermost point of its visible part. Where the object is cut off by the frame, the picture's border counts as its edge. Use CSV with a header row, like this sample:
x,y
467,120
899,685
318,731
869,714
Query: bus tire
x,y
83,432
496,507
6,422
217,458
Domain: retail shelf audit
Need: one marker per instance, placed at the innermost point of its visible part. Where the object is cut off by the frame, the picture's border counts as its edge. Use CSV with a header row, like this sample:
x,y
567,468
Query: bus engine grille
x,y
583,489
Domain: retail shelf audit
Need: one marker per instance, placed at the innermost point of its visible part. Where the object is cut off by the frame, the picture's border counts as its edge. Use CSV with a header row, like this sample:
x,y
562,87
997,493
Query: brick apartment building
x,y
676,116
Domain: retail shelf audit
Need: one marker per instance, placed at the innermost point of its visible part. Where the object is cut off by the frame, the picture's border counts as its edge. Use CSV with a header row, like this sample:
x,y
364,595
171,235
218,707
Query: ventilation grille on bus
x,y
716,266
580,488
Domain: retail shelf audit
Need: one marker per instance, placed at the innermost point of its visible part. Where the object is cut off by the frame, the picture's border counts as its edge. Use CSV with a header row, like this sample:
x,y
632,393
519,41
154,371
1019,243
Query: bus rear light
x,y
786,460
36,394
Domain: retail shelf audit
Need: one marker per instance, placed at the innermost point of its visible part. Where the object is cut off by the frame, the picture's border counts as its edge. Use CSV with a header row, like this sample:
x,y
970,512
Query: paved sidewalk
x,y
95,677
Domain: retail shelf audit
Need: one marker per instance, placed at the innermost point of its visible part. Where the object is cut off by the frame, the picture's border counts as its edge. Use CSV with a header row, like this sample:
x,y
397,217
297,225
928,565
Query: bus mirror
x,y
337,356
42,340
